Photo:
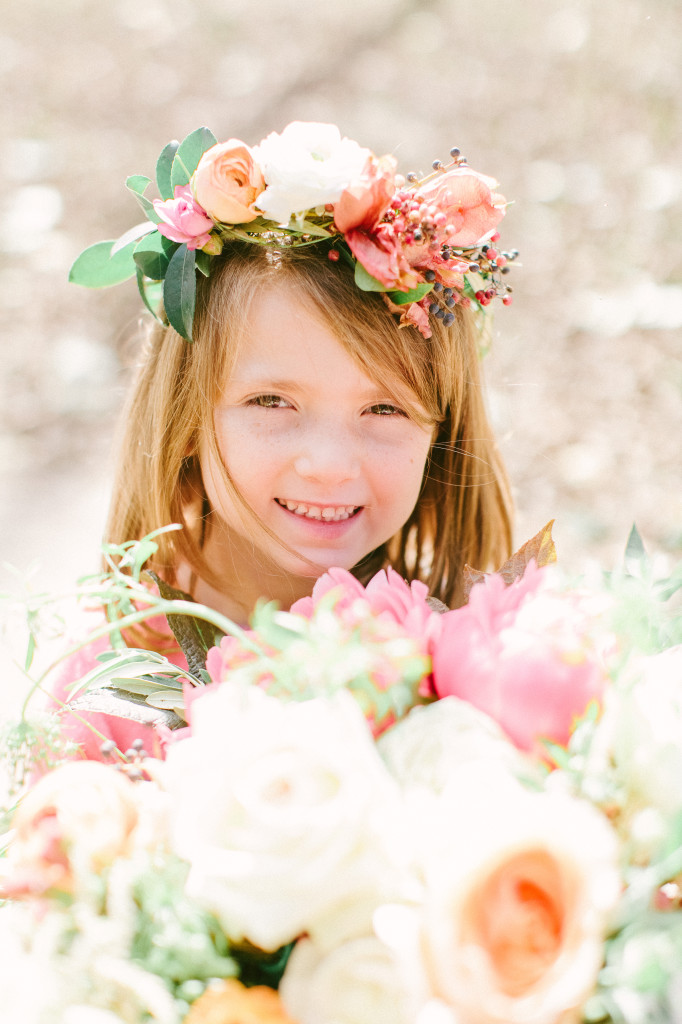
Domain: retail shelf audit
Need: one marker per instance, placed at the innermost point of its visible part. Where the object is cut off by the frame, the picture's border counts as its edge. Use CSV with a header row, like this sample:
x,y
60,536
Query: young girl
x,y
305,426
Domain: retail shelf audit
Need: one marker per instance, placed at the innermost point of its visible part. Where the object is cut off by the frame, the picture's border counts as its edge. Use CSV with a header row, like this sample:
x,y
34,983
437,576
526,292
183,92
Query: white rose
x,y
359,982
285,812
434,740
307,165
641,729
519,886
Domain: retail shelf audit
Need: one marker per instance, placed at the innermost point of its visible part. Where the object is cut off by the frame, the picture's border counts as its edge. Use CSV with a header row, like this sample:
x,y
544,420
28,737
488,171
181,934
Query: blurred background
x,y
574,105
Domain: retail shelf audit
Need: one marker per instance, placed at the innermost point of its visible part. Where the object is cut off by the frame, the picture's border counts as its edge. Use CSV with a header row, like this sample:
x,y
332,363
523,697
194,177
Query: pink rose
x,y
366,199
227,181
467,200
523,655
182,219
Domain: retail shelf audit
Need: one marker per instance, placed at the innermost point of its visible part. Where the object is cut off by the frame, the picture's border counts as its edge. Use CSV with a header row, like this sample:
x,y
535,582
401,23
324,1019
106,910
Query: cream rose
x,y
358,982
518,889
227,181
284,812
433,741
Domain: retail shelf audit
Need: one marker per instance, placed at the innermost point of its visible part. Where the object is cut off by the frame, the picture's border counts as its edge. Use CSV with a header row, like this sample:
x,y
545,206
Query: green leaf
x,y
179,290
151,293
635,555
189,154
366,282
137,183
134,234
97,268
203,262
163,169
153,255
413,295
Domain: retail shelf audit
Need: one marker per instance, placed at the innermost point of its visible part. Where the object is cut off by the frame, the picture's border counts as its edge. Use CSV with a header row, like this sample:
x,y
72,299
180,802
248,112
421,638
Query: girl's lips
x,y
318,513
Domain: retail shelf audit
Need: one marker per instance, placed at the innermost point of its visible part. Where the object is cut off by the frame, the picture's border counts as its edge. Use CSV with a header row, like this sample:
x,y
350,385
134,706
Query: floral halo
x,y
426,244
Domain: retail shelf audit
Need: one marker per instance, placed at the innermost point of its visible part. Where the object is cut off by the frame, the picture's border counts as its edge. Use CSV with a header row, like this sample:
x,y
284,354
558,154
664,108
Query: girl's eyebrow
x,y
260,380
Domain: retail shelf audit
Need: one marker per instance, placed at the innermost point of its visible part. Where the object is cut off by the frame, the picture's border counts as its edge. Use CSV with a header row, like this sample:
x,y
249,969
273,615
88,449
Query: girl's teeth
x,y
330,513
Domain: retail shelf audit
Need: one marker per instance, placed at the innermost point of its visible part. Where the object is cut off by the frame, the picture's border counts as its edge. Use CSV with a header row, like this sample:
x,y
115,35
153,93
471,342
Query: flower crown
x,y
427,244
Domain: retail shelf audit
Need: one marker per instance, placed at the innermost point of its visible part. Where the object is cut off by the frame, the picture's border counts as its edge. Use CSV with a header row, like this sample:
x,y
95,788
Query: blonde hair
x,y
463,514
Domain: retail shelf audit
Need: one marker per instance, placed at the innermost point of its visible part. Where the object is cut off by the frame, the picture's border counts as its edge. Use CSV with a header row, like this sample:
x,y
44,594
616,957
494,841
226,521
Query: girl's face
x,y
322,454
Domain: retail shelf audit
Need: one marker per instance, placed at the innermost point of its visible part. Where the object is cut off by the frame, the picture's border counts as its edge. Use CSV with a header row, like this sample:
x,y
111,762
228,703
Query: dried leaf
x,y
539,548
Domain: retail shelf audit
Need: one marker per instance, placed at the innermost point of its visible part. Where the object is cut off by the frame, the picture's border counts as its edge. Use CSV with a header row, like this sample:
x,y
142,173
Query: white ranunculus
x,y
359,982
305,166
285,813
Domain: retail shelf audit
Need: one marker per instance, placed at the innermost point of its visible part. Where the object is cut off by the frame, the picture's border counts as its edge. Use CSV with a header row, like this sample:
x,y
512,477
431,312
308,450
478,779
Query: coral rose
x,y
364,202
77,819
227,181
230,1002
524,655
469,203
183,220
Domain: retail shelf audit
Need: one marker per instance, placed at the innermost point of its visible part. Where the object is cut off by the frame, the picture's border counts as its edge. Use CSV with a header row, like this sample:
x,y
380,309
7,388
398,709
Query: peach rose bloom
x,y
230,1002
227,181
514,920
367,198
77,819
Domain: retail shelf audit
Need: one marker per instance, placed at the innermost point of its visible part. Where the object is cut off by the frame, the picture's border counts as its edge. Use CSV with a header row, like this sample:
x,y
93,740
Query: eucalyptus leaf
x,y
153,255
179,290
189,154
97,268
164,166
365,281
413,295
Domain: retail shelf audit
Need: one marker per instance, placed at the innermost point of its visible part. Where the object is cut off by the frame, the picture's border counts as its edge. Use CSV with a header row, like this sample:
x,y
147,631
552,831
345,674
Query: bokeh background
x,y
574,105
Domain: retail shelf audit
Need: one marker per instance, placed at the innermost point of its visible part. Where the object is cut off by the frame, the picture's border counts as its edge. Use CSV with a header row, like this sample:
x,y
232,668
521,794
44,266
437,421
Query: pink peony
x,y
227,182
182,219
521,654
387,595
467,200
364,202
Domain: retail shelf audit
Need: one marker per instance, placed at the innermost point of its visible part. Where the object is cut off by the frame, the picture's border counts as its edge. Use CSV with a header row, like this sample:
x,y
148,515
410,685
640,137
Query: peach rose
x,y
77,819
366,199
515,916
469,203
227,181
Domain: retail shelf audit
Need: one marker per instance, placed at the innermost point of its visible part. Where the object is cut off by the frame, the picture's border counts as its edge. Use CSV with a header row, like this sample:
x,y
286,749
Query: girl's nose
x,y
331,456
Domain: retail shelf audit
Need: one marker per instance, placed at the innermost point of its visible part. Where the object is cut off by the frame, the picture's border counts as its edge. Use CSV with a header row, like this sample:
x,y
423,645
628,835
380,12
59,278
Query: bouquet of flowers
x,y
376,812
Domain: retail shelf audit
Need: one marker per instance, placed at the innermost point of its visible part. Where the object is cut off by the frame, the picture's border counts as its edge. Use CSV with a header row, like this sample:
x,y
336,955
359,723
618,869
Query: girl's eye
x,y
269,402
386,409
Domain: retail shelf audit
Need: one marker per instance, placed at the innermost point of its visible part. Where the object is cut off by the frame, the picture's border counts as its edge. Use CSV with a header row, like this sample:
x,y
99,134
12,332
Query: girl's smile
x,y
328,459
